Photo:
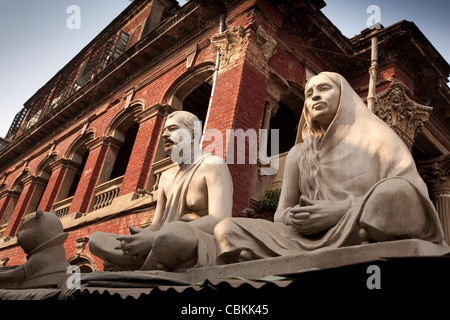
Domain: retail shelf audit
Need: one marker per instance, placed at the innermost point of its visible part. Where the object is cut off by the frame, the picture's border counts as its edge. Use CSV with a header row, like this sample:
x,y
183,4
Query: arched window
x,y
77,155
41,186
83,155
286,120
198,100
191,91
14,194
123,156
43,174
122,133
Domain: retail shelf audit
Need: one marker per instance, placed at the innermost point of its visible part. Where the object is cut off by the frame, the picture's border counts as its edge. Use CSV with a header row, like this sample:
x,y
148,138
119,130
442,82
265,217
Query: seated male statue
x,y
349,180
193,197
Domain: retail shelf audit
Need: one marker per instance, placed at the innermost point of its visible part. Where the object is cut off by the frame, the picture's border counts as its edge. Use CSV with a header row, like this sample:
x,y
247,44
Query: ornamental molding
x,y
230,44
402,114
266,44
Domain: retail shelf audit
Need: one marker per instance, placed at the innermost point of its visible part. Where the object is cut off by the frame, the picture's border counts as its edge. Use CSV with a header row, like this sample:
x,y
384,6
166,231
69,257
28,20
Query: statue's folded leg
x,y
103,244
393,210
179,246
245,239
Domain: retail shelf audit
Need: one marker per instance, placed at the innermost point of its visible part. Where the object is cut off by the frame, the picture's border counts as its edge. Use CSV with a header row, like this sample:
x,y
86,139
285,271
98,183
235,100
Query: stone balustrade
x,y
106,192
61,208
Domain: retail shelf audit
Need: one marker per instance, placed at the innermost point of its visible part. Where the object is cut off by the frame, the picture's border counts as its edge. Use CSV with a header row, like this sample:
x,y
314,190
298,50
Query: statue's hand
x,y
318,215
138,245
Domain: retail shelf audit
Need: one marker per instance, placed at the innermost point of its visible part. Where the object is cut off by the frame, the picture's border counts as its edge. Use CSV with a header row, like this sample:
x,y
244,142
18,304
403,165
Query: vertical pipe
x,y
373,75
216,73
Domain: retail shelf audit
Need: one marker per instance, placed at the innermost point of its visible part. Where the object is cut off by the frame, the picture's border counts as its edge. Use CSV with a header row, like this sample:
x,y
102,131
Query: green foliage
x,y
270,200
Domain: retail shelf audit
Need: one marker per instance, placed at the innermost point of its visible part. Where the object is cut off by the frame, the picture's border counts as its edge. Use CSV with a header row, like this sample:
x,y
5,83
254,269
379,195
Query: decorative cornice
x,y
62,163
32,179
403,115
157,109
112,142
9,193
277,86
108,141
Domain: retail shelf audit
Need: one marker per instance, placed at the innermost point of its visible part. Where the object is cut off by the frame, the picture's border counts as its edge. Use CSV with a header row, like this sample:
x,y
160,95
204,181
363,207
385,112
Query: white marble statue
x,y
193,197
349,180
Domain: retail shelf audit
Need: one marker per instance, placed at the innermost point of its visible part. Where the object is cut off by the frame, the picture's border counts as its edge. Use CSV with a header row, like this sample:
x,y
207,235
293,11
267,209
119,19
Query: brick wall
x,y
238,103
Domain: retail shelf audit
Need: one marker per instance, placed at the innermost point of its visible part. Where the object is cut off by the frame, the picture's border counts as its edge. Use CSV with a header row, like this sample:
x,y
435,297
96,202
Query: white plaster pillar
x,y
441,201
436,173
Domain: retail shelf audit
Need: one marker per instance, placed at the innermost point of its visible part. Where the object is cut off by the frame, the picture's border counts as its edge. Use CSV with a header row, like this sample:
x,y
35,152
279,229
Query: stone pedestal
x,y
134,284
319,259
313,260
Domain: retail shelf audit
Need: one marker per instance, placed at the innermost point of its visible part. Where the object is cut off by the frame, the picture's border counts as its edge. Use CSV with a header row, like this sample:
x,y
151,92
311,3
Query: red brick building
x,y
87,143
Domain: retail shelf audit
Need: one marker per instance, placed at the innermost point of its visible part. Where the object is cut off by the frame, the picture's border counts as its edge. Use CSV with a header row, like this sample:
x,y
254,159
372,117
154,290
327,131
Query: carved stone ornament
x,y
266,43
230,44
436,172
405,116
4,261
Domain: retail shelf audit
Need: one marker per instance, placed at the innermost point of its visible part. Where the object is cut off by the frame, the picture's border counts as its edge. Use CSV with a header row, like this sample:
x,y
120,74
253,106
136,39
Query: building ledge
x,y
121,205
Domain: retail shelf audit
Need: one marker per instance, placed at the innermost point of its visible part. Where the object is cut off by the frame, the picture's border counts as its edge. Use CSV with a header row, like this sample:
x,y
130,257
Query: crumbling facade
x,y
86,145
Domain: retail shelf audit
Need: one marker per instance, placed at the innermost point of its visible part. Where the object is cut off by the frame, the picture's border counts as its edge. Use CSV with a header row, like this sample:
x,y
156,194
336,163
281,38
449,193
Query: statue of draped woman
x,y
348,180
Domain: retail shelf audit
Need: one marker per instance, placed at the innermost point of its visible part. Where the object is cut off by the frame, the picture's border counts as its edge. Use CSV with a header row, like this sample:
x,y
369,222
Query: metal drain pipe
x,y
216,73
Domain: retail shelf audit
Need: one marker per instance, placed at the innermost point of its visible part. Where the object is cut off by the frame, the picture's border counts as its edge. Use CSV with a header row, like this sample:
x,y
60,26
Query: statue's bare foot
x,y
246,255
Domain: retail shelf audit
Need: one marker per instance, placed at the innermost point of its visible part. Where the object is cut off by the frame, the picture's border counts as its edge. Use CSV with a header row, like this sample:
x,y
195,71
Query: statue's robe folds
x,y
176,208
359,157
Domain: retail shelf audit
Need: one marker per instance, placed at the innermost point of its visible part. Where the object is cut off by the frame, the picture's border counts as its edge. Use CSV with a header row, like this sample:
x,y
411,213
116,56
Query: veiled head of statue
x,y
322,97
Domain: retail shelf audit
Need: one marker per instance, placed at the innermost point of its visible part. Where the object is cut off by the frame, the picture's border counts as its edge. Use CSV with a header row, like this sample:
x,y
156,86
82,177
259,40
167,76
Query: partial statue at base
x,y
41,237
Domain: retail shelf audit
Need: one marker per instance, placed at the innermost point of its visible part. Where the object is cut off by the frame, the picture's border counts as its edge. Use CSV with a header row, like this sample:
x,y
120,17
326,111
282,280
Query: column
x,y
29,186
113,145
7,204
240,95
436,173
59,170
277,86
151,121
98,150
269,111
5,198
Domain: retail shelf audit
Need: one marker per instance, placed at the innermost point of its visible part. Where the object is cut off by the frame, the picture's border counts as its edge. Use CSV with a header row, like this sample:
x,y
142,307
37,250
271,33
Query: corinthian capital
x,y
403,115
231,44
436,172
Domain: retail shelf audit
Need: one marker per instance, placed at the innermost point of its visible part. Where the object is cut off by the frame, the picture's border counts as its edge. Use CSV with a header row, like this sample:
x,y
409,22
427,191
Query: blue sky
x,y
36,43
